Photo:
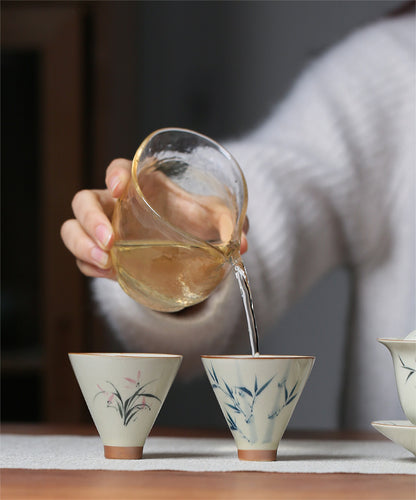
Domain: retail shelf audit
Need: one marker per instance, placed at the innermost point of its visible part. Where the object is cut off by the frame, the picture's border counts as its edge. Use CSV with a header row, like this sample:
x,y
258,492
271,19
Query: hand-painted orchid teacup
x,y
124,394
403,352
257,395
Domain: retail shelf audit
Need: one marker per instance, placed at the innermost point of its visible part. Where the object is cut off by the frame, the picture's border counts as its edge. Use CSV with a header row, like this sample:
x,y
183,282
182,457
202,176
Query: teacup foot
x,y
123,452
257,455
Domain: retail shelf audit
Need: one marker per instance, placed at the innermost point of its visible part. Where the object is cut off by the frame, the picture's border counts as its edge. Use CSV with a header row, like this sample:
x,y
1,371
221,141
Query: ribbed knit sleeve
x,y
317,172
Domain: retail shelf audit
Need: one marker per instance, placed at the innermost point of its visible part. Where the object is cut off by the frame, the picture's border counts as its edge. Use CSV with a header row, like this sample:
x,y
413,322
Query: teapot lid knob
x,y
411,336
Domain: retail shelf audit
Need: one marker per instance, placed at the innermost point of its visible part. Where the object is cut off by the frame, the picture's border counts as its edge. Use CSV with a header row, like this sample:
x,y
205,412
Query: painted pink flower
x,y
110,395
132,381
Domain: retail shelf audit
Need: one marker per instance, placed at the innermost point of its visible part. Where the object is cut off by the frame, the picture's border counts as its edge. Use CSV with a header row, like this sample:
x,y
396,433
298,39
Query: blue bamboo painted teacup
x,y
257,395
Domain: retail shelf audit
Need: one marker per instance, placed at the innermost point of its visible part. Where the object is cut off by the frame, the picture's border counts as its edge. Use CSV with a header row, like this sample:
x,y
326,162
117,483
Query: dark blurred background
x,y
85,82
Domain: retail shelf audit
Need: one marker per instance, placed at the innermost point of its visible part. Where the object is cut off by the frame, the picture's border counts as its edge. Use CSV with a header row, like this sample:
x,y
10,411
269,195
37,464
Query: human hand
x,y
89,236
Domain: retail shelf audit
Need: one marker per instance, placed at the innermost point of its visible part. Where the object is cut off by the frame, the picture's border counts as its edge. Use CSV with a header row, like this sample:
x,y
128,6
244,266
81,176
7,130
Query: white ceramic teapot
x,y
403,352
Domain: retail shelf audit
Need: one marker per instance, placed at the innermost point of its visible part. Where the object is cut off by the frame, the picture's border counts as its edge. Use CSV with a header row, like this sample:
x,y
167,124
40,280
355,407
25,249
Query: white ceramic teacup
x,y
257,395
403,352
124,393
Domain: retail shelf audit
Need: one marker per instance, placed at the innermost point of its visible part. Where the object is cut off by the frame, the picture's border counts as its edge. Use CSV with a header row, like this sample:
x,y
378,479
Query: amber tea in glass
x,y
178,225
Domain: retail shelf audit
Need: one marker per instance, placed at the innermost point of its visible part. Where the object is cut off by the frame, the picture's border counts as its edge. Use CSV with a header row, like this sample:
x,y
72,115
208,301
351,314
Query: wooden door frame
x,y
56,32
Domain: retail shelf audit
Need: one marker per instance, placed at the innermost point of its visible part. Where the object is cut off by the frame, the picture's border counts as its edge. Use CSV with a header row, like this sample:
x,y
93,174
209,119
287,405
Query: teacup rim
x,y
395,339
136,355
254,357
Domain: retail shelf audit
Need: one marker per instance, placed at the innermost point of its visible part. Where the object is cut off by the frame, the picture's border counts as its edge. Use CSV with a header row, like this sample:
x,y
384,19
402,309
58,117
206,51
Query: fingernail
x,y
100,257
113,184
103,234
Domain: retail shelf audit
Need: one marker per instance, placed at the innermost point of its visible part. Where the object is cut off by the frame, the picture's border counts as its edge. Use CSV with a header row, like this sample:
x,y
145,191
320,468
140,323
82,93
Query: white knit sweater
x,y
331,179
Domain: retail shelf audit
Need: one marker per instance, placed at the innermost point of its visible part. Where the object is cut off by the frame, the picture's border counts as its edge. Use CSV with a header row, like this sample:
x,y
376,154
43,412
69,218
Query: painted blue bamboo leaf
x,y
255,385
293,390
274,414
236,410
230,392
231,422
214,375
247,391
291,399
264,386
286,393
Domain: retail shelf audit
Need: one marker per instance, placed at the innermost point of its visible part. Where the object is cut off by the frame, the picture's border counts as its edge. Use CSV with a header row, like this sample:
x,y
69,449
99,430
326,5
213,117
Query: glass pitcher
x,y
178,224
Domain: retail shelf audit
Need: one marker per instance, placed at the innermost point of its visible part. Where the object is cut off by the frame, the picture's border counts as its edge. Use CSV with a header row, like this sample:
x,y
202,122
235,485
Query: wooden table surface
x,y
27,484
